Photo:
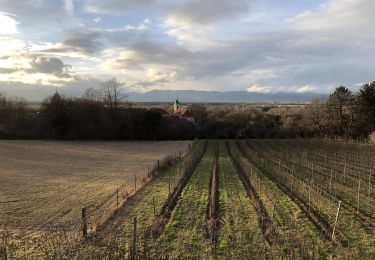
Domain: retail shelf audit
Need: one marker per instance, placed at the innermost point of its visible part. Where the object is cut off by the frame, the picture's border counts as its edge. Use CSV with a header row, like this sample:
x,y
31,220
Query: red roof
x,y
182,112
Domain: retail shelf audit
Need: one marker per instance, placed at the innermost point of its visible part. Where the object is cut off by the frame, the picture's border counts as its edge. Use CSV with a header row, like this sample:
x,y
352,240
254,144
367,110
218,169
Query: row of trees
x,y
344,113
104,114
99,114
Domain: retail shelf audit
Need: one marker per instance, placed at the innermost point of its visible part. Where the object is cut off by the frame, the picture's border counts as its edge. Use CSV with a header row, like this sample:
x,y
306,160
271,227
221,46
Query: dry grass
x,y
372,138
46,183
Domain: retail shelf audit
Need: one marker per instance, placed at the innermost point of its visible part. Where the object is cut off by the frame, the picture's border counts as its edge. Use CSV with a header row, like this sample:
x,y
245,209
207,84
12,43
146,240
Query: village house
x,y
182,111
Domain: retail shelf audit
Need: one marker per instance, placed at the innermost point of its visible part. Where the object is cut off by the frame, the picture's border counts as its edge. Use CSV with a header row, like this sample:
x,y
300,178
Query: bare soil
x,y
46,183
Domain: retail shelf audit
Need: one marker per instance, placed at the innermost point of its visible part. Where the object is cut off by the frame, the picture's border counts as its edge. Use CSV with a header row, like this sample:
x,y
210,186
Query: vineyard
x,y
248,199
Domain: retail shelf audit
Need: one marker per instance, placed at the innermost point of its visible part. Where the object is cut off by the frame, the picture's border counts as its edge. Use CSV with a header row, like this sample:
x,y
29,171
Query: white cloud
x,y
26,68
142,27
7,24
97,19
226,45
336,14
192,37
69,6
306,88
8,45
258,89
129,27
155,74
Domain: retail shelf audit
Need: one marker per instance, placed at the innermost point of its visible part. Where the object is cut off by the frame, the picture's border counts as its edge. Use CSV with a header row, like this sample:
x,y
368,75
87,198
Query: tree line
x,y
104,113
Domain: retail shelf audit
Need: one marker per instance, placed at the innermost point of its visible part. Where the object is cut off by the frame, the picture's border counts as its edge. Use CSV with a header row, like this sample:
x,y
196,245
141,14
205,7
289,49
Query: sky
x,y
222,45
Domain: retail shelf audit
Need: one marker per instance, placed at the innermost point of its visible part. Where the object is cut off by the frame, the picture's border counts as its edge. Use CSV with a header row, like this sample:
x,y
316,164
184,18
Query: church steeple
x,y
176,105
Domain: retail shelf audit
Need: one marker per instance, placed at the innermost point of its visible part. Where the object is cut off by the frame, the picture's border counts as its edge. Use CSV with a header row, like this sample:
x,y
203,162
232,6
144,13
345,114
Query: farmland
x,y
45,184
274,198
248,199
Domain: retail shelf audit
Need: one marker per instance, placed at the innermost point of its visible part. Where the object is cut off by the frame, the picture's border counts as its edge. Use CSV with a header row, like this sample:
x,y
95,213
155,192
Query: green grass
x,y
120,228
361,240
298,235
324,160
184,235
240,235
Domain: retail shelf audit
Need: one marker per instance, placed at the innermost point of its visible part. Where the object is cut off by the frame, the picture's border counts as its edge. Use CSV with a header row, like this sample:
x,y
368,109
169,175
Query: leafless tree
x,y
93,94
113,97
316,116
113,94
199,112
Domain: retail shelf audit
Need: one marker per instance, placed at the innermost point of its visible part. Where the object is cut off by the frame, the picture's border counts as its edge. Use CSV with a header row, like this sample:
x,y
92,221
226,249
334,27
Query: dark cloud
x,y
292,58
116,6
220,42
207,11
46,65
85,43
40,17
7,70
35,63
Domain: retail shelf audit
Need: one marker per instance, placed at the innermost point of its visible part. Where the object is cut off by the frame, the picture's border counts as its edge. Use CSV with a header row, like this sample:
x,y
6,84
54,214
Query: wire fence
x,y
14,239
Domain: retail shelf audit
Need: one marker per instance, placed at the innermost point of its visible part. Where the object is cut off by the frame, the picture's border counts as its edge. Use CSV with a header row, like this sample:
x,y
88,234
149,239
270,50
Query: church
x,y
182,111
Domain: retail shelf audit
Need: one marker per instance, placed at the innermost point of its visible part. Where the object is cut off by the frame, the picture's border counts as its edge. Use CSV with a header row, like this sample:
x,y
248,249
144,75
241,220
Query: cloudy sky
x,y
254,45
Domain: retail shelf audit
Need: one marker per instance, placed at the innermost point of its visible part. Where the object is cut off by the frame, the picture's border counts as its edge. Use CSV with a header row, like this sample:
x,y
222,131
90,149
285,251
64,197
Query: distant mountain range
x,y
184,96
223,97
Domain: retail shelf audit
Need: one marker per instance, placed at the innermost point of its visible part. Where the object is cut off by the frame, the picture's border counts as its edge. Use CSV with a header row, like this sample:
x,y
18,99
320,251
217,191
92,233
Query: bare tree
x,y
113,94
316,116
113,97
199,112
93,94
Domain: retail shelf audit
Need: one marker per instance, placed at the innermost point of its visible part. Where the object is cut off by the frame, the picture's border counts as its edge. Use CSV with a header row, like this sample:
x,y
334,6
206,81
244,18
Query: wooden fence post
x,y
134,242
359,187
169,187
309,194
3,253
369,183
337,216
135,183
330,182
153,203
117,202
84,222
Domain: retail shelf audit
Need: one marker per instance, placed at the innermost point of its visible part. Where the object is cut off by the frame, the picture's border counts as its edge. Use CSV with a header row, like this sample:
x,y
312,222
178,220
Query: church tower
x,y
176,105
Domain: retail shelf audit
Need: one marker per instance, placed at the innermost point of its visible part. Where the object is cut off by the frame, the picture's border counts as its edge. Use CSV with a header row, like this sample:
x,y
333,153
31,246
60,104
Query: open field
x,y
266,205
45,184
249,199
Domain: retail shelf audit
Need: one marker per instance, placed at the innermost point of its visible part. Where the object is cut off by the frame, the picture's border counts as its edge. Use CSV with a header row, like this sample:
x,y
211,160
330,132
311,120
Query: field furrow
x,y
185,233
145,205
360,240
240,234
297,235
